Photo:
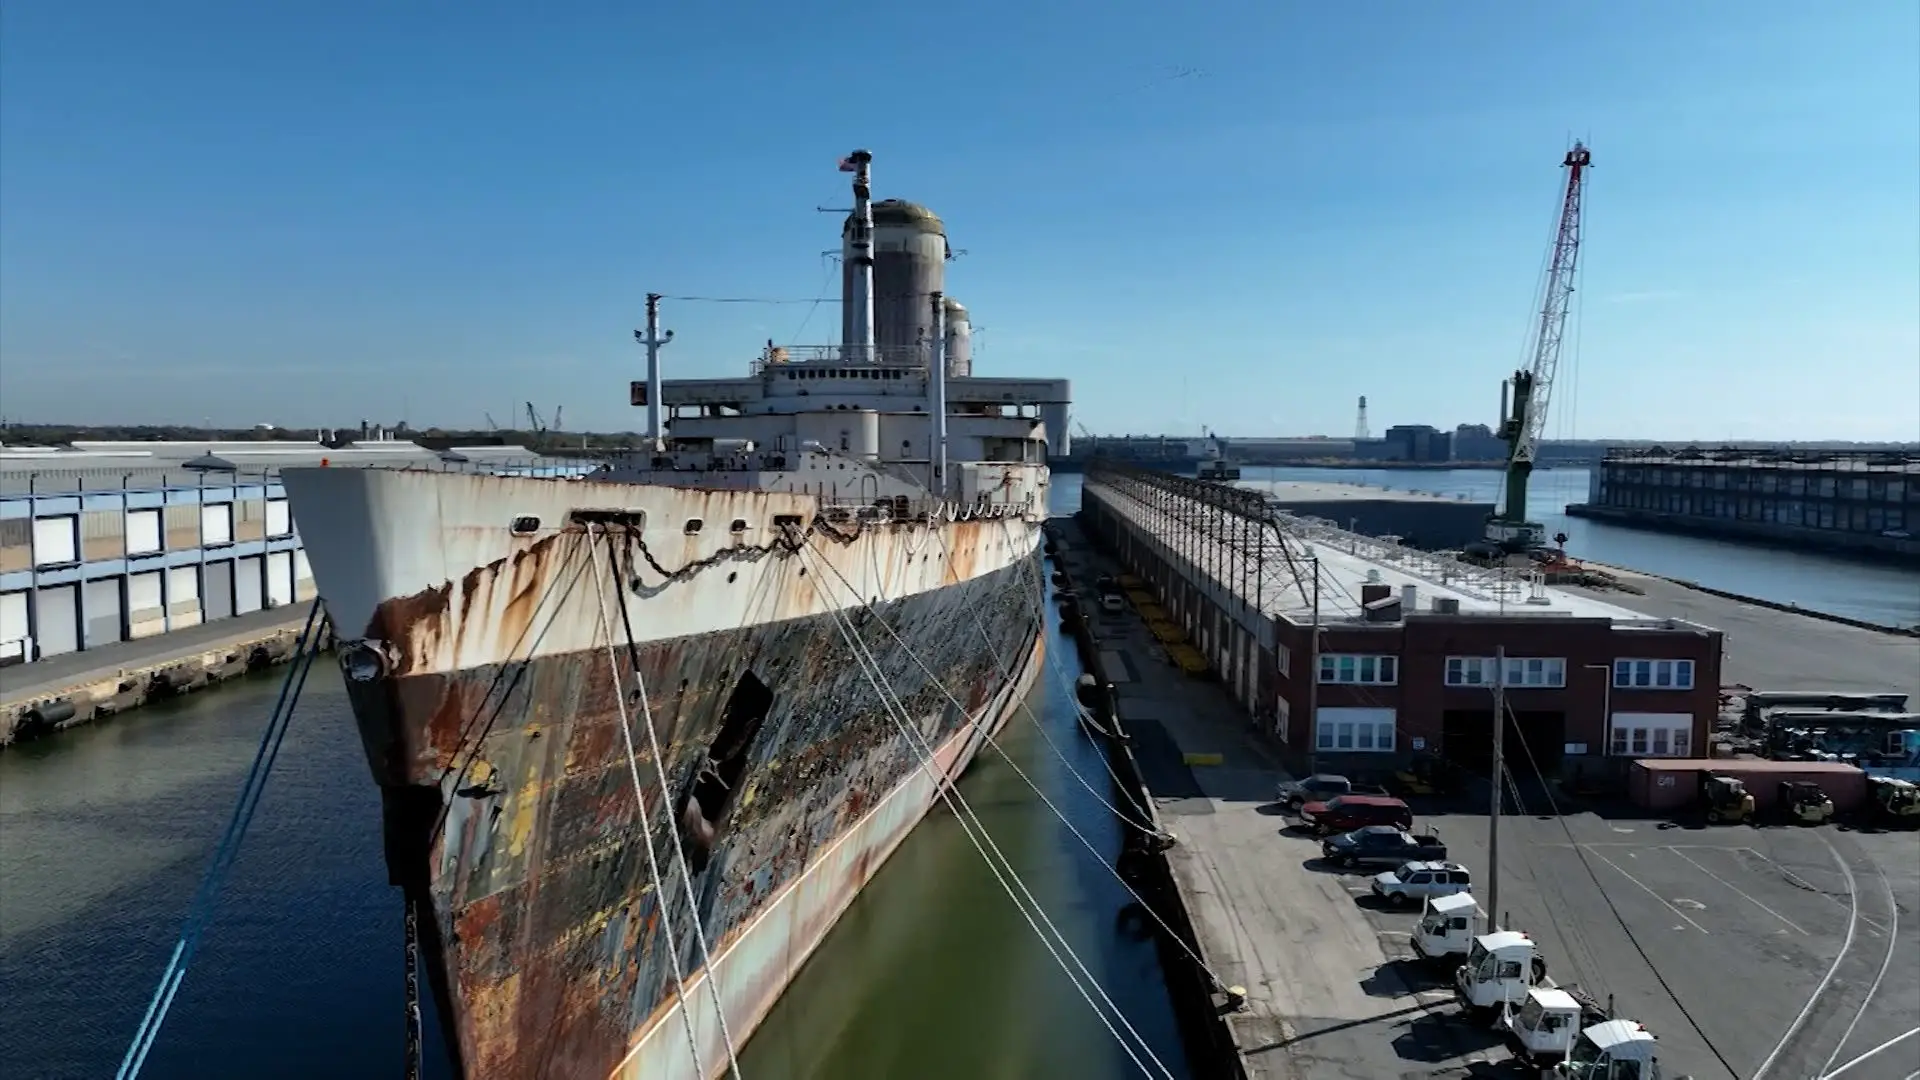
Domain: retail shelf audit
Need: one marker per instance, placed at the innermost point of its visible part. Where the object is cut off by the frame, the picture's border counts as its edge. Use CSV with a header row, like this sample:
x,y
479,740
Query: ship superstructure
x,y
643,735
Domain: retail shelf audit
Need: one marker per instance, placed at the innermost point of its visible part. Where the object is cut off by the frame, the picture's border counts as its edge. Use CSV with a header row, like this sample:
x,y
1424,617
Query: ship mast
x,y
859,298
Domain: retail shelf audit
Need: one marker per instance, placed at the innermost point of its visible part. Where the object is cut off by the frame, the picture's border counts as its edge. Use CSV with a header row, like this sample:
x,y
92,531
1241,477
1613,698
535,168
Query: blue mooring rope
x,y
200,913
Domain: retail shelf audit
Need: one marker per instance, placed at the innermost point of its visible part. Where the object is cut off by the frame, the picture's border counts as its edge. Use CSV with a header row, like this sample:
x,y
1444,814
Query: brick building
x,y
1405,660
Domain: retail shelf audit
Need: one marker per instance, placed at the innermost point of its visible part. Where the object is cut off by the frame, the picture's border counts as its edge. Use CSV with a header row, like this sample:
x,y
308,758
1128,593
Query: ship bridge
x,y
856,429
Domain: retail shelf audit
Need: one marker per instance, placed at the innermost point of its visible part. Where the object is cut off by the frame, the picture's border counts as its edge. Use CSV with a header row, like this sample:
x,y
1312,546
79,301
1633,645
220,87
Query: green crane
x,y
1523,416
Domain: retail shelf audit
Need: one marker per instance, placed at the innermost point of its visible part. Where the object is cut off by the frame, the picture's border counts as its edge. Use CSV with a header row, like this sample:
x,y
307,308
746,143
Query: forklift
x,y
1893,802
1804,804
1726,799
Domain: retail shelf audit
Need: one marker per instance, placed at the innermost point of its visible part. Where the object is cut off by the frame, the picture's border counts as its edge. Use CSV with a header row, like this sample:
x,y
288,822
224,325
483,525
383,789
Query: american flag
x,y
847,165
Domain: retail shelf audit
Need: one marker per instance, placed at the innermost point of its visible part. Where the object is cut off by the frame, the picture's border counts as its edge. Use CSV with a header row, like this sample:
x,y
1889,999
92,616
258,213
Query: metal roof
x,y
101,466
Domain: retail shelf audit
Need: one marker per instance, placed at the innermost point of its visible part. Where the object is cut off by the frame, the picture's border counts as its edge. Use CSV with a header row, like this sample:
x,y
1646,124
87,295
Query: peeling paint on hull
x,y
509,797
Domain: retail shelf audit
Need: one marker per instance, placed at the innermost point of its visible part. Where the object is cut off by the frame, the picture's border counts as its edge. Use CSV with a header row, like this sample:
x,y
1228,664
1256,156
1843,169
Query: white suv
x,y
1415,881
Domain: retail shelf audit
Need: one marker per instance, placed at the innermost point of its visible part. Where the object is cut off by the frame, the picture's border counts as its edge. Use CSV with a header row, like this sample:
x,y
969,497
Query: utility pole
x,y
1499,780
1313,670
653,339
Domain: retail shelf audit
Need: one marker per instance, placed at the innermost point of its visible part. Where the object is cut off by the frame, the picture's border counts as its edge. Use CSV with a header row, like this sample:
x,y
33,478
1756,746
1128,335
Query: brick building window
x,y
1650,735
1653,674
1357,670
1522,671
1355,730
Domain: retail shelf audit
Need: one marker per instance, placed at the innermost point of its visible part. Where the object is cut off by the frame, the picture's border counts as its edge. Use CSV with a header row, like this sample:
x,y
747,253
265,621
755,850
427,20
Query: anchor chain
x,y
413,990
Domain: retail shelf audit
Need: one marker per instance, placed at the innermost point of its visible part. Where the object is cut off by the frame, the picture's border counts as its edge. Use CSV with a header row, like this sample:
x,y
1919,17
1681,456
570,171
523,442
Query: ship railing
x,y
912,356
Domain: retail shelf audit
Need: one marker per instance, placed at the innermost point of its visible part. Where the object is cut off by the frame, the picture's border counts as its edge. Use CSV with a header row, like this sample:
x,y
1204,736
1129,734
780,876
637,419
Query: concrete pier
x,y
1659,922
77,688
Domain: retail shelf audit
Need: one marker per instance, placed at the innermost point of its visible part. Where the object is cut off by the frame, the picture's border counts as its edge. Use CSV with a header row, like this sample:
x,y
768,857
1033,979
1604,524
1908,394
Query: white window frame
x,y
56,540
216,514
1639,673
279,518
1539,672
1359,669
146,532
1344,736
1635,738
1472,671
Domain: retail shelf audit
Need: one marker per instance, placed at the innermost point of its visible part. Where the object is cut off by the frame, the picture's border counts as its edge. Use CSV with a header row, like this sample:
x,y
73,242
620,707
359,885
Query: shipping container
x,y
1667,784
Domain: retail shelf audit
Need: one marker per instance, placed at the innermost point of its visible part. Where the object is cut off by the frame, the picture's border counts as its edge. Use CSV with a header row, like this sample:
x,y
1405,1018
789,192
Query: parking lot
x,y
1740,948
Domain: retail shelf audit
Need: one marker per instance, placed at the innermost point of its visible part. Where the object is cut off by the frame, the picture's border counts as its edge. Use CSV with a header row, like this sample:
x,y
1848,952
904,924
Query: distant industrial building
x,y
1406,442
109,542
1477,442
1865,502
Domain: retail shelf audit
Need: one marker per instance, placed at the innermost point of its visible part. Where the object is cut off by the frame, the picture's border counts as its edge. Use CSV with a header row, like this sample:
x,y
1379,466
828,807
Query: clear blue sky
x,y
307,213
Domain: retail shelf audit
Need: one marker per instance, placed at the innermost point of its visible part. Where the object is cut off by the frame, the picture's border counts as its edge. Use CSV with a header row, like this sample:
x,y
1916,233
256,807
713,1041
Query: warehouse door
x,y
16,646
279,578
103,612
246,585
57,614
216,593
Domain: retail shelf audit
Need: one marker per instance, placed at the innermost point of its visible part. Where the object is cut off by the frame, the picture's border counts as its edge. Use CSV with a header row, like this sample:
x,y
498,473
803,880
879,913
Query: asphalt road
x,y
1775,650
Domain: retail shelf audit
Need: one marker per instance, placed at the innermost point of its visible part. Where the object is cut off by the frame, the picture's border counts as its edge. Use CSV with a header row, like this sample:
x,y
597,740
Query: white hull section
x,y
375,536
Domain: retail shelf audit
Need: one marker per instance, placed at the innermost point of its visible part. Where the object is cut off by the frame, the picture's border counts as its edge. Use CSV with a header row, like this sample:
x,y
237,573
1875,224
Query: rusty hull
x,y
510,801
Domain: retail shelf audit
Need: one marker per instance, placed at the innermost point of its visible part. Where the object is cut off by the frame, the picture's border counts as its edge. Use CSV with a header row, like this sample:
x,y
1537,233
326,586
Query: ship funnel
x,y
858,288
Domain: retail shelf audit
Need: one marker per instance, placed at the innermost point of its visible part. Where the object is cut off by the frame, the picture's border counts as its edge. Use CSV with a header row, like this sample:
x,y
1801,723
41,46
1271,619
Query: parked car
x,y
1344,813
1316,788
1416,881
1382,844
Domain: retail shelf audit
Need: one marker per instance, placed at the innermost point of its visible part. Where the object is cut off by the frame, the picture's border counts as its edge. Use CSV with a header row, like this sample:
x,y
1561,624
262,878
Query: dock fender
x,y
47,715
1134,921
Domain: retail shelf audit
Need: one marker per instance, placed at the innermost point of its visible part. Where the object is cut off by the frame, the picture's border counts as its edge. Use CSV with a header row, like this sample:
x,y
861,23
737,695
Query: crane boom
x,y
1553,307
1522,424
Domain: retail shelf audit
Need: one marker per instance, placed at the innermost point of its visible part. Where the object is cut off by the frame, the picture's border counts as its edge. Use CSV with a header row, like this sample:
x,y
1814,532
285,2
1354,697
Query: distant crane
x,y
1522,424
539,426
491,426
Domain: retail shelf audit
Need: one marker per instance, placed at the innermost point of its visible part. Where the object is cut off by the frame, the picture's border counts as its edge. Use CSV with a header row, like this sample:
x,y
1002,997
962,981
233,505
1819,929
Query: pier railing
x,y
1886,460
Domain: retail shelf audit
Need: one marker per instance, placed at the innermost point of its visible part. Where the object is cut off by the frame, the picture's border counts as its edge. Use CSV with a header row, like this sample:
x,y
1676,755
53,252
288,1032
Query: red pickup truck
x,y
1346,813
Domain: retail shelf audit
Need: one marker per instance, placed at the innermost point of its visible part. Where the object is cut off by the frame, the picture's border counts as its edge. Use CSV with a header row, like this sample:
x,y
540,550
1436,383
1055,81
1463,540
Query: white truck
x,y
1447,927
1613,1049
1501,967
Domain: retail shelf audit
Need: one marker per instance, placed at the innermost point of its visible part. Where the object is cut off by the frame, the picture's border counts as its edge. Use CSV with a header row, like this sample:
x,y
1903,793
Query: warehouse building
x,y
1404,660
108,542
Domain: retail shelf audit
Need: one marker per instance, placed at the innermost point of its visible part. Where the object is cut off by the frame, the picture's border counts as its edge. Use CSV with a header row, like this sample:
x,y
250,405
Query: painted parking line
x,y
1738,891
1643,887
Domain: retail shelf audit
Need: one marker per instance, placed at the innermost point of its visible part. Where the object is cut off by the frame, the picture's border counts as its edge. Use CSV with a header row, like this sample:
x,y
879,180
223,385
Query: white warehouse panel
x,y
279,520
55,540
303,587
279,578
15,646
216,523
143,532
246,585
146,614
183,597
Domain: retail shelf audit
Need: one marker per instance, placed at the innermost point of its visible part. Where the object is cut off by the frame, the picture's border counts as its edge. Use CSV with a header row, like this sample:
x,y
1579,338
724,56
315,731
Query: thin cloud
x,y
1649,296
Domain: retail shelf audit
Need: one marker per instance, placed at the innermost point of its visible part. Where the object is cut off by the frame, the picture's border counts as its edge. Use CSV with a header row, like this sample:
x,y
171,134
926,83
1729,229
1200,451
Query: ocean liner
x,y
643,733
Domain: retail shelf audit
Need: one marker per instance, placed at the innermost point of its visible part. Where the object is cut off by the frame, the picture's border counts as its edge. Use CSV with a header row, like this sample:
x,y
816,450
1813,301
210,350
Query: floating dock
x,y
1845,502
